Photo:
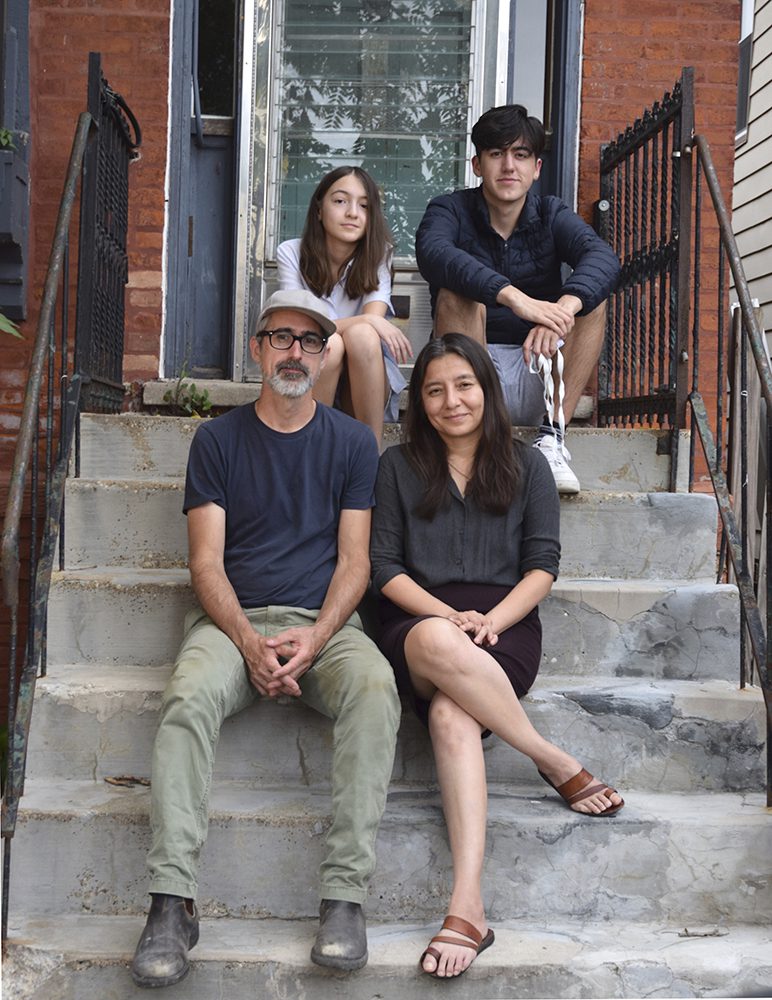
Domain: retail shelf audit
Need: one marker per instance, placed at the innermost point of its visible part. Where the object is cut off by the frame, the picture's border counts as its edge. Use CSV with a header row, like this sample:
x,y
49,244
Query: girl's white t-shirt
x,y
341,305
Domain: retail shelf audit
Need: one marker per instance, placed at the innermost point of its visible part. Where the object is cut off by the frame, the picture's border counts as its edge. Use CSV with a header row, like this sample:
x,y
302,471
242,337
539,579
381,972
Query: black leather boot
x,y
161,958
341,942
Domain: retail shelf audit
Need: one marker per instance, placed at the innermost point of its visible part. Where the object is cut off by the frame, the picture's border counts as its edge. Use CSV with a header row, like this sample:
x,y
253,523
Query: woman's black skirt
x,y
518,651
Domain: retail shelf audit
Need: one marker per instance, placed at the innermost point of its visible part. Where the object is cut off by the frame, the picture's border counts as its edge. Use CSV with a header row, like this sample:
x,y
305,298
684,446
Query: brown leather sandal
x,y
581,787
461,926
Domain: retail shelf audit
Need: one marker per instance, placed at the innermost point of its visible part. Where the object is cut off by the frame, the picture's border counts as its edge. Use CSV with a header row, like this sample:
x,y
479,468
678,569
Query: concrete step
x,y
647,628
642,628
83,957
664,736
139,446
112,523
125,522
117,616
225,393
134,445
80,847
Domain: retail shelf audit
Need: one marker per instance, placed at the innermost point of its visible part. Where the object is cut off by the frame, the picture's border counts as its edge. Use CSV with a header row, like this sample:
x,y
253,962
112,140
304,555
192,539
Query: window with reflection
x,y
381,84
216,52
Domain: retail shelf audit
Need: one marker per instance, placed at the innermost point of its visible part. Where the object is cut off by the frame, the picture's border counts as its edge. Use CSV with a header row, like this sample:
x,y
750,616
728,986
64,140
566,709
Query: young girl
x,y
344,257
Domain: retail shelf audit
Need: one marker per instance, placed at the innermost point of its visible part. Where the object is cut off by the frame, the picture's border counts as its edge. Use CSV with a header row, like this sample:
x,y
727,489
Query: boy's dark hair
x,y
500,127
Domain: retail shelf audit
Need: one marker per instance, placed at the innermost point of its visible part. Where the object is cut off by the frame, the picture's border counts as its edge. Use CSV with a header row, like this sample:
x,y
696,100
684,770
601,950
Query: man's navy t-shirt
x,y
282,495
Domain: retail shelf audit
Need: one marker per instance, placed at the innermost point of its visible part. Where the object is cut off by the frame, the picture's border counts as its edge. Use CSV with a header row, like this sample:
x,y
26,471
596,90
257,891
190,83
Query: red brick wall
x,y
634,52
133,37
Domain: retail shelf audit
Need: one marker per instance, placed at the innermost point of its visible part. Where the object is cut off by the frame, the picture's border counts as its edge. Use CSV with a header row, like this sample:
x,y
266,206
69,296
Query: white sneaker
x,y
558,457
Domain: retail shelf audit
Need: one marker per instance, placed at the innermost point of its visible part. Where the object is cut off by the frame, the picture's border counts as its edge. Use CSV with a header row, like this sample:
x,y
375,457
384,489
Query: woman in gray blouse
x,y
464,546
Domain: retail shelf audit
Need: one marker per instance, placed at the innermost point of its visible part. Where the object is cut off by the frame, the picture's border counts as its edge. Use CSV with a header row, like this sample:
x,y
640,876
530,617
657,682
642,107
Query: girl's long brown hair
x,y
497,468
367,255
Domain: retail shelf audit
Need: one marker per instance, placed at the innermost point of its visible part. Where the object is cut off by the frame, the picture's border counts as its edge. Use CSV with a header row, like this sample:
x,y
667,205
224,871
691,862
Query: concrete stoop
x,y
86,957
639,628
699,857
674,532
93,723
138,446
670,898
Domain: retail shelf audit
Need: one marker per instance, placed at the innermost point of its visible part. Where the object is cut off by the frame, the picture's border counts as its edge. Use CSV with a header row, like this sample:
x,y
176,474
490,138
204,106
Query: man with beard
x,y
278,497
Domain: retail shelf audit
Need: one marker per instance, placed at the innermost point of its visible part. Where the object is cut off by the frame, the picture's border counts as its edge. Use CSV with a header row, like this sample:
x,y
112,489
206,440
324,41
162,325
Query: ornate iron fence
x,y
54,396
645,214
103,272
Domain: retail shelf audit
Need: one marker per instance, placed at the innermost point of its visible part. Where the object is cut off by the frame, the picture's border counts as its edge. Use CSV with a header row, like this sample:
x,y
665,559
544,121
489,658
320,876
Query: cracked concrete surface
x,y
680,735
241,958
662,857
640,628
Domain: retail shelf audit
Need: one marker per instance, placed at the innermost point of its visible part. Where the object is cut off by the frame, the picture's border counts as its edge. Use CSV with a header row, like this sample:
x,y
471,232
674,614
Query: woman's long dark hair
x,y
497,465
366,257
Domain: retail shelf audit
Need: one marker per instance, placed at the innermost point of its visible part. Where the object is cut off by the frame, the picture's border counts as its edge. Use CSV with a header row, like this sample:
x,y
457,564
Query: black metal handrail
x,y
27,460
736,542
89,377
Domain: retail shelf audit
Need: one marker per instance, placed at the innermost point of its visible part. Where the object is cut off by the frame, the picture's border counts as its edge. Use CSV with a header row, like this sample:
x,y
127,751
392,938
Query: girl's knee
x,y
336,350
362,341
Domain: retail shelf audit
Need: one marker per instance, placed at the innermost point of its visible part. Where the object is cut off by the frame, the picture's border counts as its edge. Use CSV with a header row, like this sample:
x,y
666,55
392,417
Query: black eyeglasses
x,y
282,340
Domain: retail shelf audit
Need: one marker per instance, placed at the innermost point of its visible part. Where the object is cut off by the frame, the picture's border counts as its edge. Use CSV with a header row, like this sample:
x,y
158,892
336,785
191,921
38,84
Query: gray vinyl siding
x,y
752,193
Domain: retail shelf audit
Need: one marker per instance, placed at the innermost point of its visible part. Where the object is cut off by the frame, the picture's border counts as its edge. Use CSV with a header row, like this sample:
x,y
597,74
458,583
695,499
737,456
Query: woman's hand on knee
x,y
477,626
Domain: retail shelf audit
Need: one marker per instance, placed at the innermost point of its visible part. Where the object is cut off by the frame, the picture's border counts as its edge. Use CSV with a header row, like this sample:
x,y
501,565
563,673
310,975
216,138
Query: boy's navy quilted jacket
x,y
458,249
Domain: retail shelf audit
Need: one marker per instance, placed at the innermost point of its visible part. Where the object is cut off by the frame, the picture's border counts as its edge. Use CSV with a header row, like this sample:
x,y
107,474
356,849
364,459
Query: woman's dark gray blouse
x,y
463,543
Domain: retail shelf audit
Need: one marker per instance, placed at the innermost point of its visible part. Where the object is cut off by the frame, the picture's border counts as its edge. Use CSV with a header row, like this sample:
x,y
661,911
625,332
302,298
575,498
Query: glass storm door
x,y
393,86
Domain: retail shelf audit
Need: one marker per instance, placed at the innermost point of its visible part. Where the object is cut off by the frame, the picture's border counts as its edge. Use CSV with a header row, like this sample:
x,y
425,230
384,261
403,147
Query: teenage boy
x,y
494,259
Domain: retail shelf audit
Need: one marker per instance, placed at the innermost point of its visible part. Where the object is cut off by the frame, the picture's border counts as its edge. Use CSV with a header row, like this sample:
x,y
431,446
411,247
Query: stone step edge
x,y
145,416
177,575
226,393
122,485
396,946
60,800
81,680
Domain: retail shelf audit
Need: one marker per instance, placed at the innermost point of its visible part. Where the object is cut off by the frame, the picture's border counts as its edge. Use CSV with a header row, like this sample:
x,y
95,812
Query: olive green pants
x,y
350,682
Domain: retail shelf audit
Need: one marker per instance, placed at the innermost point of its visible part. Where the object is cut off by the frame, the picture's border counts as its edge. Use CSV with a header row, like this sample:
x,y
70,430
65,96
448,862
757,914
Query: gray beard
x,y
290,388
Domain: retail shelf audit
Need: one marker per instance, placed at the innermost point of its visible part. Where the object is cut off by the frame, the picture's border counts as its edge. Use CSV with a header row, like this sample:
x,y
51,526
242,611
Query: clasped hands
x,y
276,664
477,626
553,321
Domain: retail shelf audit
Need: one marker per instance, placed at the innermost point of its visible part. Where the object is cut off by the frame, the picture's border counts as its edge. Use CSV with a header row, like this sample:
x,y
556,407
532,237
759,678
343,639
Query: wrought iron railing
x,y
104,222
63,371
653,212
645,214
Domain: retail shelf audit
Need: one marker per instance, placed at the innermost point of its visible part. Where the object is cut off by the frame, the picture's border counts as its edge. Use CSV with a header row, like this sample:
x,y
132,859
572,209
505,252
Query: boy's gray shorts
x,y
523,390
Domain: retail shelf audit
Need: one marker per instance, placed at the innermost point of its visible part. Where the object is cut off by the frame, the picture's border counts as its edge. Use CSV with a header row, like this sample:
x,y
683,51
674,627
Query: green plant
x,y
6,139
8,326
187,399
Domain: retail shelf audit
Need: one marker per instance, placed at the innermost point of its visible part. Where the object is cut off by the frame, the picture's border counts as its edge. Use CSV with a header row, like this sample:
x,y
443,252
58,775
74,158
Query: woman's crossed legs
x,y
469,692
